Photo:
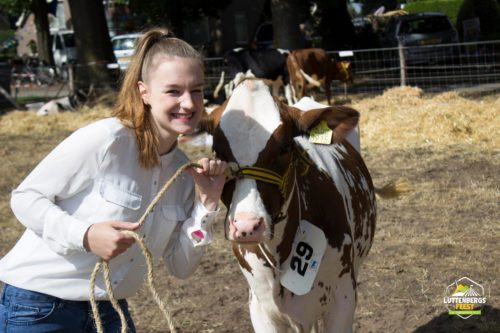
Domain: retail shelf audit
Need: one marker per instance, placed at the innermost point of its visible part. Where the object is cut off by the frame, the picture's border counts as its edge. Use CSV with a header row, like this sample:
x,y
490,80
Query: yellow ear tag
x,y
321,134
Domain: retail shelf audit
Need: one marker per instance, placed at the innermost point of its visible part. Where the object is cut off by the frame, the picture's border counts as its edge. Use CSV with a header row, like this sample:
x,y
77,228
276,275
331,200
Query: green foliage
x,y
173,13
4,34
448,7
8,45
14,7
488,12
369,6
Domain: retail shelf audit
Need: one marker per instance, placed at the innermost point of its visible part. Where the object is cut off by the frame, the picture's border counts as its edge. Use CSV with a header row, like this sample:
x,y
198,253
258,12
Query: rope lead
x,y
103,264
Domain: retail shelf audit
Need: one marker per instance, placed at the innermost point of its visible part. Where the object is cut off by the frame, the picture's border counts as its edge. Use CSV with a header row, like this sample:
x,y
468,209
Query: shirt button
x,y
131,260
155,182
115,282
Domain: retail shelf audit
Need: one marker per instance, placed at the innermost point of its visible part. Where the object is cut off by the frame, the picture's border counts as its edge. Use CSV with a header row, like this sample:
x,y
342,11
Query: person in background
x,y
98,182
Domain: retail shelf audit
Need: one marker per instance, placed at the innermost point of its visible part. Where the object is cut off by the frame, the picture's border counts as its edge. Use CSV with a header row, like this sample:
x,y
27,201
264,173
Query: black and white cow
x,y
267,64
301,215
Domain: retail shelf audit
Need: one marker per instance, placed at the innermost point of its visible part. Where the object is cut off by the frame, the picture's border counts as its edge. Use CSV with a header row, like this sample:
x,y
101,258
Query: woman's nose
x,y
187,101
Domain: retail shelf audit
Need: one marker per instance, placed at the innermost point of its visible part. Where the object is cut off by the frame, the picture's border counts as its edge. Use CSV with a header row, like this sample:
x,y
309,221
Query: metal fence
x,y
433,68
213,70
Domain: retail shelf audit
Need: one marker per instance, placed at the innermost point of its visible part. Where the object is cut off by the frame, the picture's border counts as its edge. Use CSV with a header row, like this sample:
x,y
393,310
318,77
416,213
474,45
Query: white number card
x,y
301,267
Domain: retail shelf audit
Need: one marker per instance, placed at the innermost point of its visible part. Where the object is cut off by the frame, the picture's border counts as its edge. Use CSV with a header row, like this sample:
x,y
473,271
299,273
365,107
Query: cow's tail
x,y
394,189
309,79
219,85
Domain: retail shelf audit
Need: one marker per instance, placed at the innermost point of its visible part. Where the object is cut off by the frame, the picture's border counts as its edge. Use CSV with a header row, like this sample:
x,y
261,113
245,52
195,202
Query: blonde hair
x,y
130,108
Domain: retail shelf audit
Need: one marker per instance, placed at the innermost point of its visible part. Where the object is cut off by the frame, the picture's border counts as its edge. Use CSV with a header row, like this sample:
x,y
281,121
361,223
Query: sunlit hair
x,y
130,108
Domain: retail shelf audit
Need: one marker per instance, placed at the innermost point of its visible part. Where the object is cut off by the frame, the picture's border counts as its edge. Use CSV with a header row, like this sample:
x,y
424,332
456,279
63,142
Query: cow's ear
x,y
340,119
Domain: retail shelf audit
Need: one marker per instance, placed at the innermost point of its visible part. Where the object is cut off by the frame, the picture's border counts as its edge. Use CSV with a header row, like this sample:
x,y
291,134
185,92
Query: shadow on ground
x,y
487,322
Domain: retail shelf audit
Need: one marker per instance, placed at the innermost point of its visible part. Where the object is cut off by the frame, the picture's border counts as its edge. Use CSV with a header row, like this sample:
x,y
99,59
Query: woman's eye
x,y
172,92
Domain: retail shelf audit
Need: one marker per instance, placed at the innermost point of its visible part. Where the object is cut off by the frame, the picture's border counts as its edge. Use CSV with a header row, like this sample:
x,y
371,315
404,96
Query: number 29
x,y
302,251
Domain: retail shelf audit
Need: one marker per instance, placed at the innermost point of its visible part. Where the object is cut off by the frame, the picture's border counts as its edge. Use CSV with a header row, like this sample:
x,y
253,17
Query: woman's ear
x,y
144,92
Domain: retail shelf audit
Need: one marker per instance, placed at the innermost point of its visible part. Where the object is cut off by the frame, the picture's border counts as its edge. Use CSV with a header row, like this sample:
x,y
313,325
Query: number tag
x,y
300,268
321,133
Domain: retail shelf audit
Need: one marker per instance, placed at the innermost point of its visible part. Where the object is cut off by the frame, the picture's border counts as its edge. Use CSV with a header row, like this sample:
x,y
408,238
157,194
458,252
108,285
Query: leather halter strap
x,y
269,176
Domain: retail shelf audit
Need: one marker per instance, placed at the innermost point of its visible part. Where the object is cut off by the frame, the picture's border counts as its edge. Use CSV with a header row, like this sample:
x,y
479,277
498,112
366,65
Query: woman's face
x,y
174,92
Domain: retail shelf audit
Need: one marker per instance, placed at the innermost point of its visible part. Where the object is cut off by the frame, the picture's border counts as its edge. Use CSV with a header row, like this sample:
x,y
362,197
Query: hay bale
x,y
26,122
402,118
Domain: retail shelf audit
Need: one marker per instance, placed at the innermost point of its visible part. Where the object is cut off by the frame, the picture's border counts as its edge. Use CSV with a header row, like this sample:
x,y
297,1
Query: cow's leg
x,y
341,315
295,93
288,94
227,88
276,84
328,93
219,85
303,91
261,321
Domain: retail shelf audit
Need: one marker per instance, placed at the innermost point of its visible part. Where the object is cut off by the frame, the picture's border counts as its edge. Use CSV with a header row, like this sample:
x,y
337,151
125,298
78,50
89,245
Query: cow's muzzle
x,y
247,228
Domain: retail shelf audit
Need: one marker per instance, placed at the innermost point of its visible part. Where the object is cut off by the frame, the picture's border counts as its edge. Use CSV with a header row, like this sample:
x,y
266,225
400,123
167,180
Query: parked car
x,y
64,50
417,32
123,47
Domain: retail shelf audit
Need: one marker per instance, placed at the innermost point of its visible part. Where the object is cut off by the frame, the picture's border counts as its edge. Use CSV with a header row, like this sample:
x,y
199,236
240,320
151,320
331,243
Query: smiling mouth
x,y
182,115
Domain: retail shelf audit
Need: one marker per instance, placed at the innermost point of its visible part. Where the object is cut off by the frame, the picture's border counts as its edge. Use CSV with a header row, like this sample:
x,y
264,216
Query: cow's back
x,y
343,192
313,61
267,63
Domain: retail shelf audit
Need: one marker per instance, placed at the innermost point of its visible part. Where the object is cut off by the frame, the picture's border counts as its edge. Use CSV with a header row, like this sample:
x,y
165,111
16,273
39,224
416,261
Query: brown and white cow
x,y
314,68
301,215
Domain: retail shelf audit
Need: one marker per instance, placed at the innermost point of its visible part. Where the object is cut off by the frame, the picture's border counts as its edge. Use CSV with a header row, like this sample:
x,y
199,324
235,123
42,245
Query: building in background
x,y
235,27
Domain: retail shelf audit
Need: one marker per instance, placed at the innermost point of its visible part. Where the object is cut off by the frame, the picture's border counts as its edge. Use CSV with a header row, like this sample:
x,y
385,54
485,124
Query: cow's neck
x,y
286,223
261,263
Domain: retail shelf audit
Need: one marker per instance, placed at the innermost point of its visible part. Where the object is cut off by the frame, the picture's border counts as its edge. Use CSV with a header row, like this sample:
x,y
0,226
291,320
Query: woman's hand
x,y
209,179
106,240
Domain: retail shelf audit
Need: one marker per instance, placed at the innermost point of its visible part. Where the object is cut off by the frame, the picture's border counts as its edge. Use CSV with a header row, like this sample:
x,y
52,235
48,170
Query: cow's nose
x,y
247,228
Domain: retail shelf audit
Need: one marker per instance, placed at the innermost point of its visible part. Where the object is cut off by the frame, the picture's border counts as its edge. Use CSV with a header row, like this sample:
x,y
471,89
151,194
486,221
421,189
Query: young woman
x,y
98,182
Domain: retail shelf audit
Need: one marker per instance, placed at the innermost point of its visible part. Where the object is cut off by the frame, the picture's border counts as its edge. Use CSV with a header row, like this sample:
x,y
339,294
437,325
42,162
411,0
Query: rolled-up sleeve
x,y
188,242
64,172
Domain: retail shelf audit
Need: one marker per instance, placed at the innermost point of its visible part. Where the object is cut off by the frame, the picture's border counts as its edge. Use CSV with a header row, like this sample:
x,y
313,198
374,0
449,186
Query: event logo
x,y
464,298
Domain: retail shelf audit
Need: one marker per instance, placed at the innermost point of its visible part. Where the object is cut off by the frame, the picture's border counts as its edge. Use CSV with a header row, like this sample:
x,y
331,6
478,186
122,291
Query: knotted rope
x,y
104,265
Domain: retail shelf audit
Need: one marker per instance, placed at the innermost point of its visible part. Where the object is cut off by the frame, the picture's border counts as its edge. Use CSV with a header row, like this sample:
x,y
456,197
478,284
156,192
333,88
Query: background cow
x,y
268,64
314,68
301,215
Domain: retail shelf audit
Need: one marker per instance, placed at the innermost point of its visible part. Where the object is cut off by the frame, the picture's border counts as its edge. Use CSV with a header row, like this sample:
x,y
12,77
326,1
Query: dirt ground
x,y
446,228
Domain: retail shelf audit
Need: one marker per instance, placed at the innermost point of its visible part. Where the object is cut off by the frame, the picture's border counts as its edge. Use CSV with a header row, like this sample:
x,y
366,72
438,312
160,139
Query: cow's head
x,y
255,132
343,71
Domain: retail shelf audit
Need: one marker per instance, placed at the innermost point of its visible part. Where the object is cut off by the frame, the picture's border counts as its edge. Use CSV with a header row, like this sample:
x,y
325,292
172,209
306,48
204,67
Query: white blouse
x,y
93,176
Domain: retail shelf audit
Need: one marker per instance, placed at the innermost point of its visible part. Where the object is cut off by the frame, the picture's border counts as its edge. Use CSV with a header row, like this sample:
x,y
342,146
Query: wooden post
x,y
402,64
71,78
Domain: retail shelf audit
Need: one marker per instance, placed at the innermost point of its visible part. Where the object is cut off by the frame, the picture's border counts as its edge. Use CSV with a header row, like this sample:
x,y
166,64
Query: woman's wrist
x,y
208,202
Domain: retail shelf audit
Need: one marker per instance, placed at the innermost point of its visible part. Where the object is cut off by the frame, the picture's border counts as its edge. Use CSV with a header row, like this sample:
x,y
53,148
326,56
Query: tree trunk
x,y
94,51
286,24
336,28
40,10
